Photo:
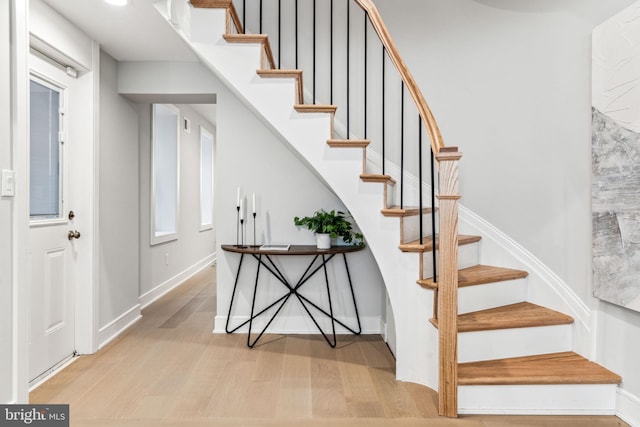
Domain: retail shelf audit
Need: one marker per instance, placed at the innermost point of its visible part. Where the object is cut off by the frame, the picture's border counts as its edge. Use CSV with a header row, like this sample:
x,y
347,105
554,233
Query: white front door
x,y
51,233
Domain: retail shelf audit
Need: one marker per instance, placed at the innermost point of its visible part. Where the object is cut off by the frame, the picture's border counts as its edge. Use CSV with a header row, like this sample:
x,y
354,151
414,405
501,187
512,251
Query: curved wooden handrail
x,y
423,108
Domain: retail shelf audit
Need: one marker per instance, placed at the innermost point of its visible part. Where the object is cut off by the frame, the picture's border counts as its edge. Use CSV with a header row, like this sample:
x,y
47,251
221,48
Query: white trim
x,y
50,373
628,407
86,296
20,144
551,399
89,340
111,331
162,289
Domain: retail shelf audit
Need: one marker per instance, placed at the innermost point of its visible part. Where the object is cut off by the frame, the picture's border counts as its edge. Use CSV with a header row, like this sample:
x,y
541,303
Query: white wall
x,y
250,156
118,247
510,84
6,271
194,248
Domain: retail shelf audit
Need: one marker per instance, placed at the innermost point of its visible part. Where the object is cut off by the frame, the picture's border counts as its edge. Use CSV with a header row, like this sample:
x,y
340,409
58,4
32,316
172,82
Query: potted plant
x,y
329,225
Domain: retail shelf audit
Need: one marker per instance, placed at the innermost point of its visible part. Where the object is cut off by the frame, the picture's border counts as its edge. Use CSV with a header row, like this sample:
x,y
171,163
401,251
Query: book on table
x,y
275,247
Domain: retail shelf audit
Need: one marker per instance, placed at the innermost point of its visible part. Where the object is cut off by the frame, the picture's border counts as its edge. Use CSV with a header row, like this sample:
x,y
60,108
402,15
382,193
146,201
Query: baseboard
x,y
162,289
628,407
43,378
549,399
296,325
108,333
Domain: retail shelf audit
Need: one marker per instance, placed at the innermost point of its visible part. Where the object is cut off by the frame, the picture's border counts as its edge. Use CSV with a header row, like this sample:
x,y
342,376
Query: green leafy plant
x,y
336,224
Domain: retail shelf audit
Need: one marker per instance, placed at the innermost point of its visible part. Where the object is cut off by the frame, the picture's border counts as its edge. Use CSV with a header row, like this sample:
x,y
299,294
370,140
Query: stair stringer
x,y
272,101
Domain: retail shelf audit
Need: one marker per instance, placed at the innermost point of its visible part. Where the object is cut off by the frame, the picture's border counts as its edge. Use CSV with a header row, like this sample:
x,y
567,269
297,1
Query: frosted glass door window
x,y
45,156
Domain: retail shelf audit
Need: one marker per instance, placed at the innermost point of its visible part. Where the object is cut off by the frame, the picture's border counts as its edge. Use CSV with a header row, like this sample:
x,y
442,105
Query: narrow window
x,y
165,171
206,179
45,158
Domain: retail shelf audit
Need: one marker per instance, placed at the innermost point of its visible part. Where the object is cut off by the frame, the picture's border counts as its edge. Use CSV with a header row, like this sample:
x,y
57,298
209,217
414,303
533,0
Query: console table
x,y
319,260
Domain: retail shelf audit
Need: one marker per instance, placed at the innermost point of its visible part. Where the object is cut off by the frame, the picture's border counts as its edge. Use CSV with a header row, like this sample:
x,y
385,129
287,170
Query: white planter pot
x,y
323,241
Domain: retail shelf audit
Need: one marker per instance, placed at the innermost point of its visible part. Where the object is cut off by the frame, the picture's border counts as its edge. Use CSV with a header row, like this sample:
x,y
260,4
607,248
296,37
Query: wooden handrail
x,y
412,87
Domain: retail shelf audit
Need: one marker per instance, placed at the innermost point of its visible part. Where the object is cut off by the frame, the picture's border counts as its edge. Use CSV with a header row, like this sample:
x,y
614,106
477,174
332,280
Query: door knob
x,y
73,234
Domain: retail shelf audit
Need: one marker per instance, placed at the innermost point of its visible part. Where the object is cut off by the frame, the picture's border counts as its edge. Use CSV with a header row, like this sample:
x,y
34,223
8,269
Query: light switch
x,y
8,183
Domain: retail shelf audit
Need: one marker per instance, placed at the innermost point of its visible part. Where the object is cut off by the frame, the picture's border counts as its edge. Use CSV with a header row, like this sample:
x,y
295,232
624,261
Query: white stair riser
x,y
569,399
468,256
410,227
504,343
206,25
491,295
391,189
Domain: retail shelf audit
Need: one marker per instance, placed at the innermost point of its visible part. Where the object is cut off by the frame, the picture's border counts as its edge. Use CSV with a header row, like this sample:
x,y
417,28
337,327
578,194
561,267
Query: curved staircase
x,y
510,355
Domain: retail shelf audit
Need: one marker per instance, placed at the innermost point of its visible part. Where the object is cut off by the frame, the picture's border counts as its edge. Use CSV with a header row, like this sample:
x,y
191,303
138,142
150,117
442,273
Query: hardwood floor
x,y
170,370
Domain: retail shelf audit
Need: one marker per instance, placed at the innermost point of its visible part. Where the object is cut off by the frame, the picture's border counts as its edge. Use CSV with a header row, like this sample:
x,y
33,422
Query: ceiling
x,y
136,32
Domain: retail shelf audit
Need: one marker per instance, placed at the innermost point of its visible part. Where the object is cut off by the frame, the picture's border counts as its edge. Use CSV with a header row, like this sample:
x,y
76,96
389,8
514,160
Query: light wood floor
x,y
170,370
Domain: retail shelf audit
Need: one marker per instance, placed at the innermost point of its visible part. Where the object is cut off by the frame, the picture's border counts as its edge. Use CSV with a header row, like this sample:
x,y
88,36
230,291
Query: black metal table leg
x,y
309,272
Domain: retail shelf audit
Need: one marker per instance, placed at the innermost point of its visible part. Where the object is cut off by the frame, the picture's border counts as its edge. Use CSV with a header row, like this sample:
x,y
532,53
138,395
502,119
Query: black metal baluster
x,y
433,215
420,175
365,74
402,145
331,54
296,21
314,51
348,67
384,106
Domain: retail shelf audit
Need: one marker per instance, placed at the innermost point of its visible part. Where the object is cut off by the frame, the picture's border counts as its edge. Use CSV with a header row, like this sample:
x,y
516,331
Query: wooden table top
x,y
293,250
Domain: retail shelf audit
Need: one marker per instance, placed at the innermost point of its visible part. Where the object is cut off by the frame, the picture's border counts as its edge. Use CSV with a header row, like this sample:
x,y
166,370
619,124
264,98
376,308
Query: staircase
x,y
509,354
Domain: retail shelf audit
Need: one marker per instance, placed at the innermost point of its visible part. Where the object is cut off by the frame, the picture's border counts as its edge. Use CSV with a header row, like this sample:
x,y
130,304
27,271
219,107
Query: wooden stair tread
x,y
556,368
384,179
313,108
427,243
211,3
480,275
280,73
246,38
519,315
398,212
348,143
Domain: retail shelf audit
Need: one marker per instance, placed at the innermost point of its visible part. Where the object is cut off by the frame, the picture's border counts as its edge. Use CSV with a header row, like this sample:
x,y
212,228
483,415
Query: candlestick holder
x,y
254,229
238,225
242,233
